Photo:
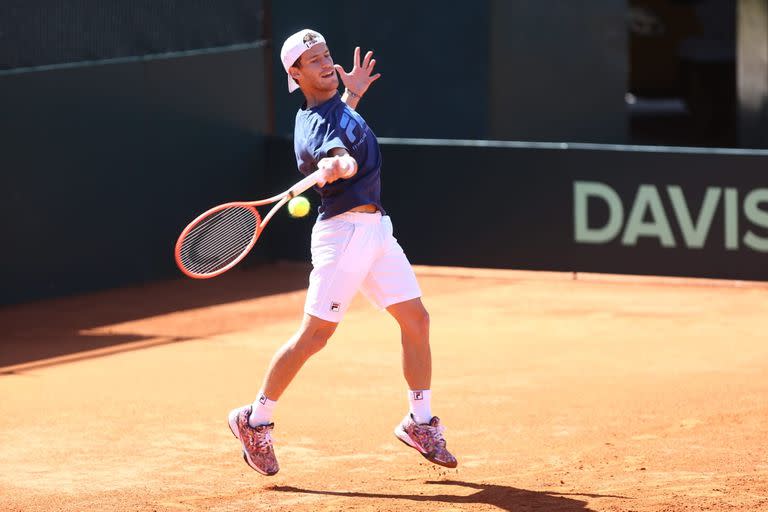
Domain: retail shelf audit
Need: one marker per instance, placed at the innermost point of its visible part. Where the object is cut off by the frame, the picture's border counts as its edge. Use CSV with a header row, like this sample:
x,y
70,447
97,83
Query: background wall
x,y
558,71
433,57
48,32
118,122
511,69
103,165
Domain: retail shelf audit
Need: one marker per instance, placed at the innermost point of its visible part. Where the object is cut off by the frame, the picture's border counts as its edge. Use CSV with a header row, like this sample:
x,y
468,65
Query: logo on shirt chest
x,y
349,125
353,129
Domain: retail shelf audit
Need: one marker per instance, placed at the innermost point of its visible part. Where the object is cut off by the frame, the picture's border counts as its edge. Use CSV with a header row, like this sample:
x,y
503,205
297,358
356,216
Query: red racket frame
x,y
281,199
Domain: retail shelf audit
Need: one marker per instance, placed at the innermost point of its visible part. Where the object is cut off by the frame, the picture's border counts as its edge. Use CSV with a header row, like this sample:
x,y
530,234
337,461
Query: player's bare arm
x,y
359,79
338,164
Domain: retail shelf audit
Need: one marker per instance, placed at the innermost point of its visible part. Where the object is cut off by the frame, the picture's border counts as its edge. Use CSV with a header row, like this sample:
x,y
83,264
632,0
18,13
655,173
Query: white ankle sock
x,y
419,401
262,411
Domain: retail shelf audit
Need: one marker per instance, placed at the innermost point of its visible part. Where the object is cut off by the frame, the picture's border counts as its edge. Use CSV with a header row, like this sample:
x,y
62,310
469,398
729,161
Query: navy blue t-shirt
x,y
333,124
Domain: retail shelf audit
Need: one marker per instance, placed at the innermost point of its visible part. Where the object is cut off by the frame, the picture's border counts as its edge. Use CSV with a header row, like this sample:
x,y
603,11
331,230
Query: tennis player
x,y
352,249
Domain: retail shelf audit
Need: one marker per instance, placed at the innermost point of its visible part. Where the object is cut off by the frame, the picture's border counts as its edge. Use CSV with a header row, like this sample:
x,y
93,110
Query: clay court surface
x,y
596,394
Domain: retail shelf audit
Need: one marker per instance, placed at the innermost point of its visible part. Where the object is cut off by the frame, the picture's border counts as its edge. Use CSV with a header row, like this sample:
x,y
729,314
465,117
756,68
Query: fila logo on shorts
x,y
335,307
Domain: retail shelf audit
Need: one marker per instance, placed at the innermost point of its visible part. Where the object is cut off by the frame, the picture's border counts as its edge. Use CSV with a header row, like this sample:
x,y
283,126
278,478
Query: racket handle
x,y
304,184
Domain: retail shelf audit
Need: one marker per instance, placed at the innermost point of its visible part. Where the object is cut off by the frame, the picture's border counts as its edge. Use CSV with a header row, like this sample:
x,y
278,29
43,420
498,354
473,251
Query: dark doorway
x,y
682,72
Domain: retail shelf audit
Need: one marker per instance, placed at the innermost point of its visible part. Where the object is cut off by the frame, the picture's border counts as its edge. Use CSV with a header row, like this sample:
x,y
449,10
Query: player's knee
x,y
314,338
416,323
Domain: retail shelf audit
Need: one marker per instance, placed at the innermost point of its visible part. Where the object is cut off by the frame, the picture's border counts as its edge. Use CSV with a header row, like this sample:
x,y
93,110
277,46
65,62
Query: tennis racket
x,y
220,238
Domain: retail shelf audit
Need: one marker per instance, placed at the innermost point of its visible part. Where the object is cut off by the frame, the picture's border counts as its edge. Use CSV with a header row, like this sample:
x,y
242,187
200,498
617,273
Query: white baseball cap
x,y
294,47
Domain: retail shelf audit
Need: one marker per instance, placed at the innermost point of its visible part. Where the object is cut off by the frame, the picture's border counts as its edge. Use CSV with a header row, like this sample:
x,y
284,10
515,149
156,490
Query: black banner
x,y
578,207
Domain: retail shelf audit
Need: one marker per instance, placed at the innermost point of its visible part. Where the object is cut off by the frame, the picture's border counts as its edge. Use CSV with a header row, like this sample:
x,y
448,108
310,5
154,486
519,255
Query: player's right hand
x,y
334,168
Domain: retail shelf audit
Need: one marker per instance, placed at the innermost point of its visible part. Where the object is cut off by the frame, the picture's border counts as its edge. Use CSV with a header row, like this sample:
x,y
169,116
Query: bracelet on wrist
x,y
353,93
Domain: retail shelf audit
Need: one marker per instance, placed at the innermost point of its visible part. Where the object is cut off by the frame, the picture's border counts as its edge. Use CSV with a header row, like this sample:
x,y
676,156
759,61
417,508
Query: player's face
x,y
317,71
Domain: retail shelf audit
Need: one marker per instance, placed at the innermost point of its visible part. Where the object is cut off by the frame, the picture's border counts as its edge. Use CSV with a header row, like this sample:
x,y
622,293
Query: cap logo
x,y
310,39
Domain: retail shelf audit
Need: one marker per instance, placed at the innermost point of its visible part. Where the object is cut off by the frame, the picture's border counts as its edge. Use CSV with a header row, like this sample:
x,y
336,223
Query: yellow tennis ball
x,y
298,206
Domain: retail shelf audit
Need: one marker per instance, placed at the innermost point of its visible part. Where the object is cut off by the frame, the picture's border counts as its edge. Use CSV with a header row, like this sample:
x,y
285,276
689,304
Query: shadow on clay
x,y
502,496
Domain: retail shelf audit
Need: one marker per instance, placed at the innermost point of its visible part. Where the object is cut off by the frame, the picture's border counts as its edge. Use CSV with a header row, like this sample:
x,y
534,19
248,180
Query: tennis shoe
x,y
427,439
256,441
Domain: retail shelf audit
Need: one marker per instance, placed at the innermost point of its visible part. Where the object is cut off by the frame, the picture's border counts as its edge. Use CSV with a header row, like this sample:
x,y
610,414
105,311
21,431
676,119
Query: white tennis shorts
x,y
356,251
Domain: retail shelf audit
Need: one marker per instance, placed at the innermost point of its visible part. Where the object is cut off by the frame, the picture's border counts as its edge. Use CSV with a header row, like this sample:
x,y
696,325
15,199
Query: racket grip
x,y
304,184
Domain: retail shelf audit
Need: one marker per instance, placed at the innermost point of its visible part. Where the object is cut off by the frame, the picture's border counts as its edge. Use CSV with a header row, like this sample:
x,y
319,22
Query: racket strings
x,y
211,237
218,240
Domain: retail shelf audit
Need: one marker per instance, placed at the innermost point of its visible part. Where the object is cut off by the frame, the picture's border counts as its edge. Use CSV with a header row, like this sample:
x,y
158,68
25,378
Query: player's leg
x,y
419,429
252,424
312,336
391,284
338,256
414,332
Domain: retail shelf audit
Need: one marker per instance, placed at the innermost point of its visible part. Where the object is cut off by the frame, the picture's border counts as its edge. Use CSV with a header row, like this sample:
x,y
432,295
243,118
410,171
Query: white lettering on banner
x,y
647,200
695,235
582,191
756,215
648,218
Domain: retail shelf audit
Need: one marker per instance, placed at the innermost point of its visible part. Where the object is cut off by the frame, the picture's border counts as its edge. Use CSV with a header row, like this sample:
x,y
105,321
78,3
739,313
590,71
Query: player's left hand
x,y
360,78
